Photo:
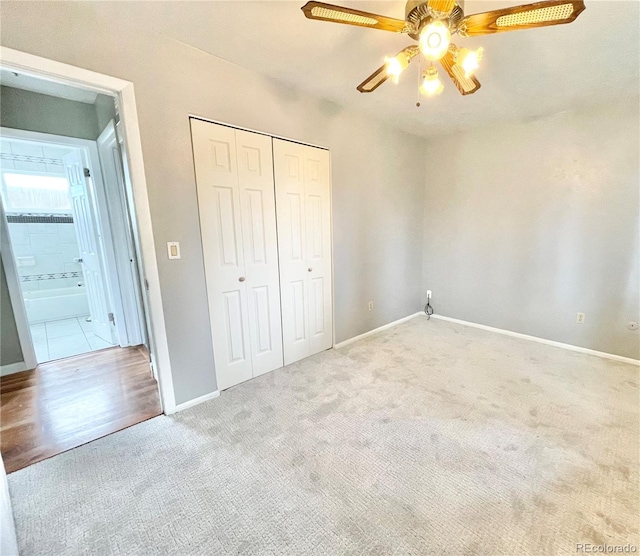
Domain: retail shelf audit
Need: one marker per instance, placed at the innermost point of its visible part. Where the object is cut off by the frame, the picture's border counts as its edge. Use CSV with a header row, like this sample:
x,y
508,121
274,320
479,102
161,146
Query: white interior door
x,y
89,246
214,150
260,246
128,301
317,187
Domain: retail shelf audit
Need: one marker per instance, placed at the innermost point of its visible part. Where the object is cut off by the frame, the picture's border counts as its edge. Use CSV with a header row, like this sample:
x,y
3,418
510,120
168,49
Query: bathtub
x,y
56,304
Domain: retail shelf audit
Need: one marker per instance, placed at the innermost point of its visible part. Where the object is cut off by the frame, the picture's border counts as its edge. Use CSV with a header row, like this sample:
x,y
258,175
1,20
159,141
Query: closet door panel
x,y
318,225
292,247
214,149
260,246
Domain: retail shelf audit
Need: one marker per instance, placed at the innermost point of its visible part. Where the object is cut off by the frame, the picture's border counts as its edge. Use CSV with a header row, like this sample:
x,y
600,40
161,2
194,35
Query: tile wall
x,y
44,246
45,252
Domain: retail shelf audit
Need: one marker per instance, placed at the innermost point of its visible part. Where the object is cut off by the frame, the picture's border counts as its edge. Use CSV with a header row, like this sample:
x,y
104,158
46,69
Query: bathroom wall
x,y
45,248
44,245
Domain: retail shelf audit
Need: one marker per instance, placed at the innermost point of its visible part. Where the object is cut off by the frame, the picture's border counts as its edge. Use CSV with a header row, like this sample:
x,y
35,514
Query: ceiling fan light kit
x,y
396,65
431,84
468,60
432,23
434,40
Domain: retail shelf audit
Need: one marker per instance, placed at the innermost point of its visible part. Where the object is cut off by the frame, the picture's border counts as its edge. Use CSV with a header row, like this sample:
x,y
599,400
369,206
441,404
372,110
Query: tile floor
x,y
64,338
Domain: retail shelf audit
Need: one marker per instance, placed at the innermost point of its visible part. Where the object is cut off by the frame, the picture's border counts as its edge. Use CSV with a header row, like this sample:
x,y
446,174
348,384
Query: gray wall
x,y
530,223
10,350
105,111
378,173
46,114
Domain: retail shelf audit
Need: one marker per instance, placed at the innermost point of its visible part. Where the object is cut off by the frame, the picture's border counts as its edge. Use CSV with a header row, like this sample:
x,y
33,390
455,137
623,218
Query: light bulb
x,y
395,66
431,84
469,60
434,40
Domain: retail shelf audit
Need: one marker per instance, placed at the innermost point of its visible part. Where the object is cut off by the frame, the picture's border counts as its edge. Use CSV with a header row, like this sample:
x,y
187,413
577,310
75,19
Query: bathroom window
x,y
25,192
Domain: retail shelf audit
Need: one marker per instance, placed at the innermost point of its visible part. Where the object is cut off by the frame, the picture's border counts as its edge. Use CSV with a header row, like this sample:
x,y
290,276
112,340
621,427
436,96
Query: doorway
x,y
58,74
71,264
65,211
58,248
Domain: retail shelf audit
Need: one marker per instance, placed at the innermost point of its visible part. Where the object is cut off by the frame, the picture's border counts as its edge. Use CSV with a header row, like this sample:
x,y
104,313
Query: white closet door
x,y
318,213
214,150
304,241
257,205
292,246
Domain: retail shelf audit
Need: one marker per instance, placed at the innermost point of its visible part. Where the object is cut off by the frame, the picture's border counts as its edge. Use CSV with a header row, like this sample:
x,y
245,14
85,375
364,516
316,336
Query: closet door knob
x,y
241,279
310,269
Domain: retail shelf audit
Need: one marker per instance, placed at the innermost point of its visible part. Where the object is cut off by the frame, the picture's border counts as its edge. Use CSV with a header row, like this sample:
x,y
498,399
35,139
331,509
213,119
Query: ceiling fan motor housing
x,y
418,14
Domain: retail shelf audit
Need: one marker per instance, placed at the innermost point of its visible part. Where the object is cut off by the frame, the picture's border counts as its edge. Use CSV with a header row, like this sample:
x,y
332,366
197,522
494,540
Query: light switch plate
x,y
173,249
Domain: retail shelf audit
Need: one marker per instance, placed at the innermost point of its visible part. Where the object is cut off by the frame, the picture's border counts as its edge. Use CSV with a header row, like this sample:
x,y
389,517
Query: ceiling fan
x,y
431,23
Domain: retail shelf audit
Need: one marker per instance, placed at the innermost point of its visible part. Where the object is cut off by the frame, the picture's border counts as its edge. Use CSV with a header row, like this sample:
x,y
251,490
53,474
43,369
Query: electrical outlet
x,y
580,318
370,305
632,326
428,295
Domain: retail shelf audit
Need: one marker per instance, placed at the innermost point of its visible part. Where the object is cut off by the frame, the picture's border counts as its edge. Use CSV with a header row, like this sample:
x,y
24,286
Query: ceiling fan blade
x,y
466,85
540,14
338,14
379,76
374,81
442,6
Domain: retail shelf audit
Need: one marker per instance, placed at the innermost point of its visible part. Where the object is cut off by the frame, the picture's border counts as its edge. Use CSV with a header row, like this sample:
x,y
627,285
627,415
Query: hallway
x,y
66,403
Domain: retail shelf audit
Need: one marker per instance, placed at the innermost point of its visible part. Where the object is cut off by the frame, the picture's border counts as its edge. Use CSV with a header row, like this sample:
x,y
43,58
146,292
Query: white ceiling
x,y
26,82
524,74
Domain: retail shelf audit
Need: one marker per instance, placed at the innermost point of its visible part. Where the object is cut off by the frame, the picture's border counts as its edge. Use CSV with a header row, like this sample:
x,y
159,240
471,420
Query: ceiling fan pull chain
x,y
419,77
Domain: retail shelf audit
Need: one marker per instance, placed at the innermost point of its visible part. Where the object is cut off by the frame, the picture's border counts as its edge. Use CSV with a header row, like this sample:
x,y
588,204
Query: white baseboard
x,y
195,401
541,340
376,330
13,368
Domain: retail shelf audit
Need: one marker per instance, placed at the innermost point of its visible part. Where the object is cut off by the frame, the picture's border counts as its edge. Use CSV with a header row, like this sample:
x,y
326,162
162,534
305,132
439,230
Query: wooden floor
x,y
63,404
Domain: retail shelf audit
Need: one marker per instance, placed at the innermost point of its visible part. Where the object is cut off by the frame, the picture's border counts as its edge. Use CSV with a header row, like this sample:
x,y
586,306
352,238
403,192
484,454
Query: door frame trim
x,y
129,305
225,124
29,360
123,91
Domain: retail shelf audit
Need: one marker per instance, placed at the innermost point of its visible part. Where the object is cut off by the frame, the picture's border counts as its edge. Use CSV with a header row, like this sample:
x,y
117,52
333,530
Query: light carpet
x,y
428,438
